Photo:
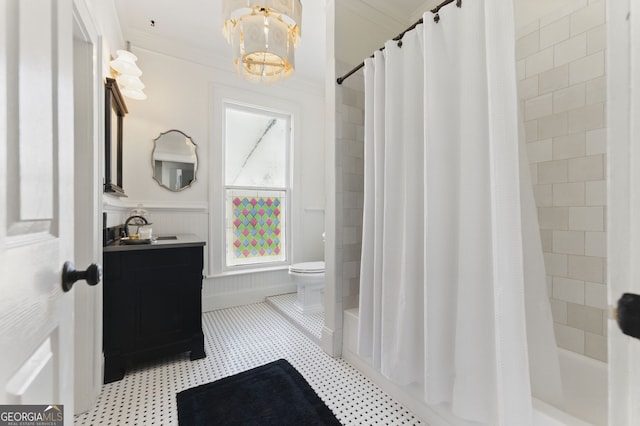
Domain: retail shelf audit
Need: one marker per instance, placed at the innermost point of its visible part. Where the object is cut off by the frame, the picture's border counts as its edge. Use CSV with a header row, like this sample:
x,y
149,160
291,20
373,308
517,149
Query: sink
x,y
166,237
134,241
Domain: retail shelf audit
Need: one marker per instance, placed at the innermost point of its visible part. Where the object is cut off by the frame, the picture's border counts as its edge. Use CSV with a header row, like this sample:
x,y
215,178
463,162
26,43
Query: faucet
x,y
138,221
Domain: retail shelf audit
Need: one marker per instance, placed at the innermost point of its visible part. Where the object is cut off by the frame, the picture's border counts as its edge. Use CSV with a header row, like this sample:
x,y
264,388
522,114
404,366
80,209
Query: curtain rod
x,y
398,38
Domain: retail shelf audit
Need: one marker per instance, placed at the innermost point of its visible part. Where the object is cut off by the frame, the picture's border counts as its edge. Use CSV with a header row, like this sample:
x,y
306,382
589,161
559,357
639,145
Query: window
x,y
256,186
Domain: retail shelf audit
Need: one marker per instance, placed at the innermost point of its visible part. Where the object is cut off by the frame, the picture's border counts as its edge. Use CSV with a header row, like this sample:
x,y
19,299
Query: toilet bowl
x,y
309,278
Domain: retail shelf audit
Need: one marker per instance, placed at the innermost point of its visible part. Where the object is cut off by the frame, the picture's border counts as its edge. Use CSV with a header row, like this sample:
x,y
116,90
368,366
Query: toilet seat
x,y
307,268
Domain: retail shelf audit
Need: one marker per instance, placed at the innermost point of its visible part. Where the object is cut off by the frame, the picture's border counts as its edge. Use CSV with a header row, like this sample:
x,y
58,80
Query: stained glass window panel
x,y
256,229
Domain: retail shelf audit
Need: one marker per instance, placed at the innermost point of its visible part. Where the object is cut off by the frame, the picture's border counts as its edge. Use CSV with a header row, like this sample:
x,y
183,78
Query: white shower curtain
x,y
442,295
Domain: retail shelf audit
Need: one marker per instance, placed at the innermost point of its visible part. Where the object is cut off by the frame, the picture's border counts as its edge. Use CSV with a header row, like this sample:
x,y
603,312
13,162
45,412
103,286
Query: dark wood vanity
x,y
152,302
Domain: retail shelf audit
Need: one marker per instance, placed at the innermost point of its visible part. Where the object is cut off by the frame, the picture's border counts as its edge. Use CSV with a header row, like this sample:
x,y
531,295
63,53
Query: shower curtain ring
x,y
399,43
459,3
436,18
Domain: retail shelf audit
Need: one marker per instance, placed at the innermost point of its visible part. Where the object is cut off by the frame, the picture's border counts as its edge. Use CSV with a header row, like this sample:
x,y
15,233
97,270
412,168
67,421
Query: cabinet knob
x,y
93,275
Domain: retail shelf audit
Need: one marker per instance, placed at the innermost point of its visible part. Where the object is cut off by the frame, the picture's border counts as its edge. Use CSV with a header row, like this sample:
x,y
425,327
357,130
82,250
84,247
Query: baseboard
x,y
213,302
332,342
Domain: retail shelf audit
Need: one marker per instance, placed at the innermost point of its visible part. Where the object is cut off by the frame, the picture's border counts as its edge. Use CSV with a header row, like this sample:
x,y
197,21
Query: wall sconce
x,y
128,75
263,35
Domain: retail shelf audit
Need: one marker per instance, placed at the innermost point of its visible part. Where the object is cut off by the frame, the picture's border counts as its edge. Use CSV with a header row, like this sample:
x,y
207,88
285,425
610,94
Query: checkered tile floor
x,y
310,324
238,339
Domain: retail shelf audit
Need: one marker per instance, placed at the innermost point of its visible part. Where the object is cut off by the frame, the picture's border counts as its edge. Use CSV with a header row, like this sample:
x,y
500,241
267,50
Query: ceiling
x,y
188,28
192,28
403,11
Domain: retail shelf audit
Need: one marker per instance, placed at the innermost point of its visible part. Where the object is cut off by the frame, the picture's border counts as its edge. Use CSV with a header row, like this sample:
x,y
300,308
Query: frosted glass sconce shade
x,y
128,75
125,63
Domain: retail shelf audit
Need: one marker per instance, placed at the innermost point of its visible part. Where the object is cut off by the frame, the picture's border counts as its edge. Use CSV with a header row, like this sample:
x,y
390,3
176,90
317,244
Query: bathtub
x,y
585,386
584,381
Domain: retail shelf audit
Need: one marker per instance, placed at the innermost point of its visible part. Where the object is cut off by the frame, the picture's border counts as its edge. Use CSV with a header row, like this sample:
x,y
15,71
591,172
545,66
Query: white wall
x,y
182,95
108,26
105,20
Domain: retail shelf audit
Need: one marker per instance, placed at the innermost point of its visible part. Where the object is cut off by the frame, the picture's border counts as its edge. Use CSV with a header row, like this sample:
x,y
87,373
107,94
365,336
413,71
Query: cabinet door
x,y
119,307
164,309
158,298
168,287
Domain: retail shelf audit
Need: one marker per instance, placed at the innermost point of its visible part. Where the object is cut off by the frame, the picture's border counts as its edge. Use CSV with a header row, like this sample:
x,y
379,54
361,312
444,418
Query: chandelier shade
x,y
263,35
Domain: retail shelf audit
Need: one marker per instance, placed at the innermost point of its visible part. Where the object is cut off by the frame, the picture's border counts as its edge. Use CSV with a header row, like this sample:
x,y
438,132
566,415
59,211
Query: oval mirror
x,y
174,160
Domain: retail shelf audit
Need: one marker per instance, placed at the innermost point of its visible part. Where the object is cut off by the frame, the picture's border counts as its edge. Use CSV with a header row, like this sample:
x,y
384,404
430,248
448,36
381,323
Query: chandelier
x,y
263,35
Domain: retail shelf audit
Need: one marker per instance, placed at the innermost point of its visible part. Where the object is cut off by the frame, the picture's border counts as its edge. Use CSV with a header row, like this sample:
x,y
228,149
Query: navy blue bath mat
x,y
272,394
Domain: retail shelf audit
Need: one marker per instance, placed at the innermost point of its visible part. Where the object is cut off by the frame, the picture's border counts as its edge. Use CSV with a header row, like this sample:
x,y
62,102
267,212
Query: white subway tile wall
x,y
562,87
568,290
568,194
555,32
543,195
570,98
540,151
529,88
597,141
570,146
570,50
554,79
350,184
539,62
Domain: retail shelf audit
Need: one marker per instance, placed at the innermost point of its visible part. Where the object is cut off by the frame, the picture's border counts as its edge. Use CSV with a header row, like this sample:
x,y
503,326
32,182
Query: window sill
x,y
245,271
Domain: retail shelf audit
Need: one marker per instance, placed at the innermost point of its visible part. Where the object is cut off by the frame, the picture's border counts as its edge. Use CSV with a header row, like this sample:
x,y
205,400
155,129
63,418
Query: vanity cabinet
x,y
152,304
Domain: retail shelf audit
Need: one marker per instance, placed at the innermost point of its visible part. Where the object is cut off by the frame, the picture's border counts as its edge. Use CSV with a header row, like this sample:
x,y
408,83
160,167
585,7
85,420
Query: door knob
x,y
93,275
628,314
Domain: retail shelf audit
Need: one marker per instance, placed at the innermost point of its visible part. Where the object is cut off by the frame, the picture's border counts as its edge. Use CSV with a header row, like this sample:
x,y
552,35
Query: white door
x,y
36,203
623,65
88,90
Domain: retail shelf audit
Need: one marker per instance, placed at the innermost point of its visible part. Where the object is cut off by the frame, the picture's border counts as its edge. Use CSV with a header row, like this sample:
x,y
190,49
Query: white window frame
x,y
219,96
286,223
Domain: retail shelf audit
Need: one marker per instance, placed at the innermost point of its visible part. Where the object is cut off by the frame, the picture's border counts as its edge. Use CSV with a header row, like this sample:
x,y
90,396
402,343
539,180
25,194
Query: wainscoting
x,y
218,291
241,289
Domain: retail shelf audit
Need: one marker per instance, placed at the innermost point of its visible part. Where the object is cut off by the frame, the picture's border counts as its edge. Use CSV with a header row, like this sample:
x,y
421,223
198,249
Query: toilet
x,y
309,278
